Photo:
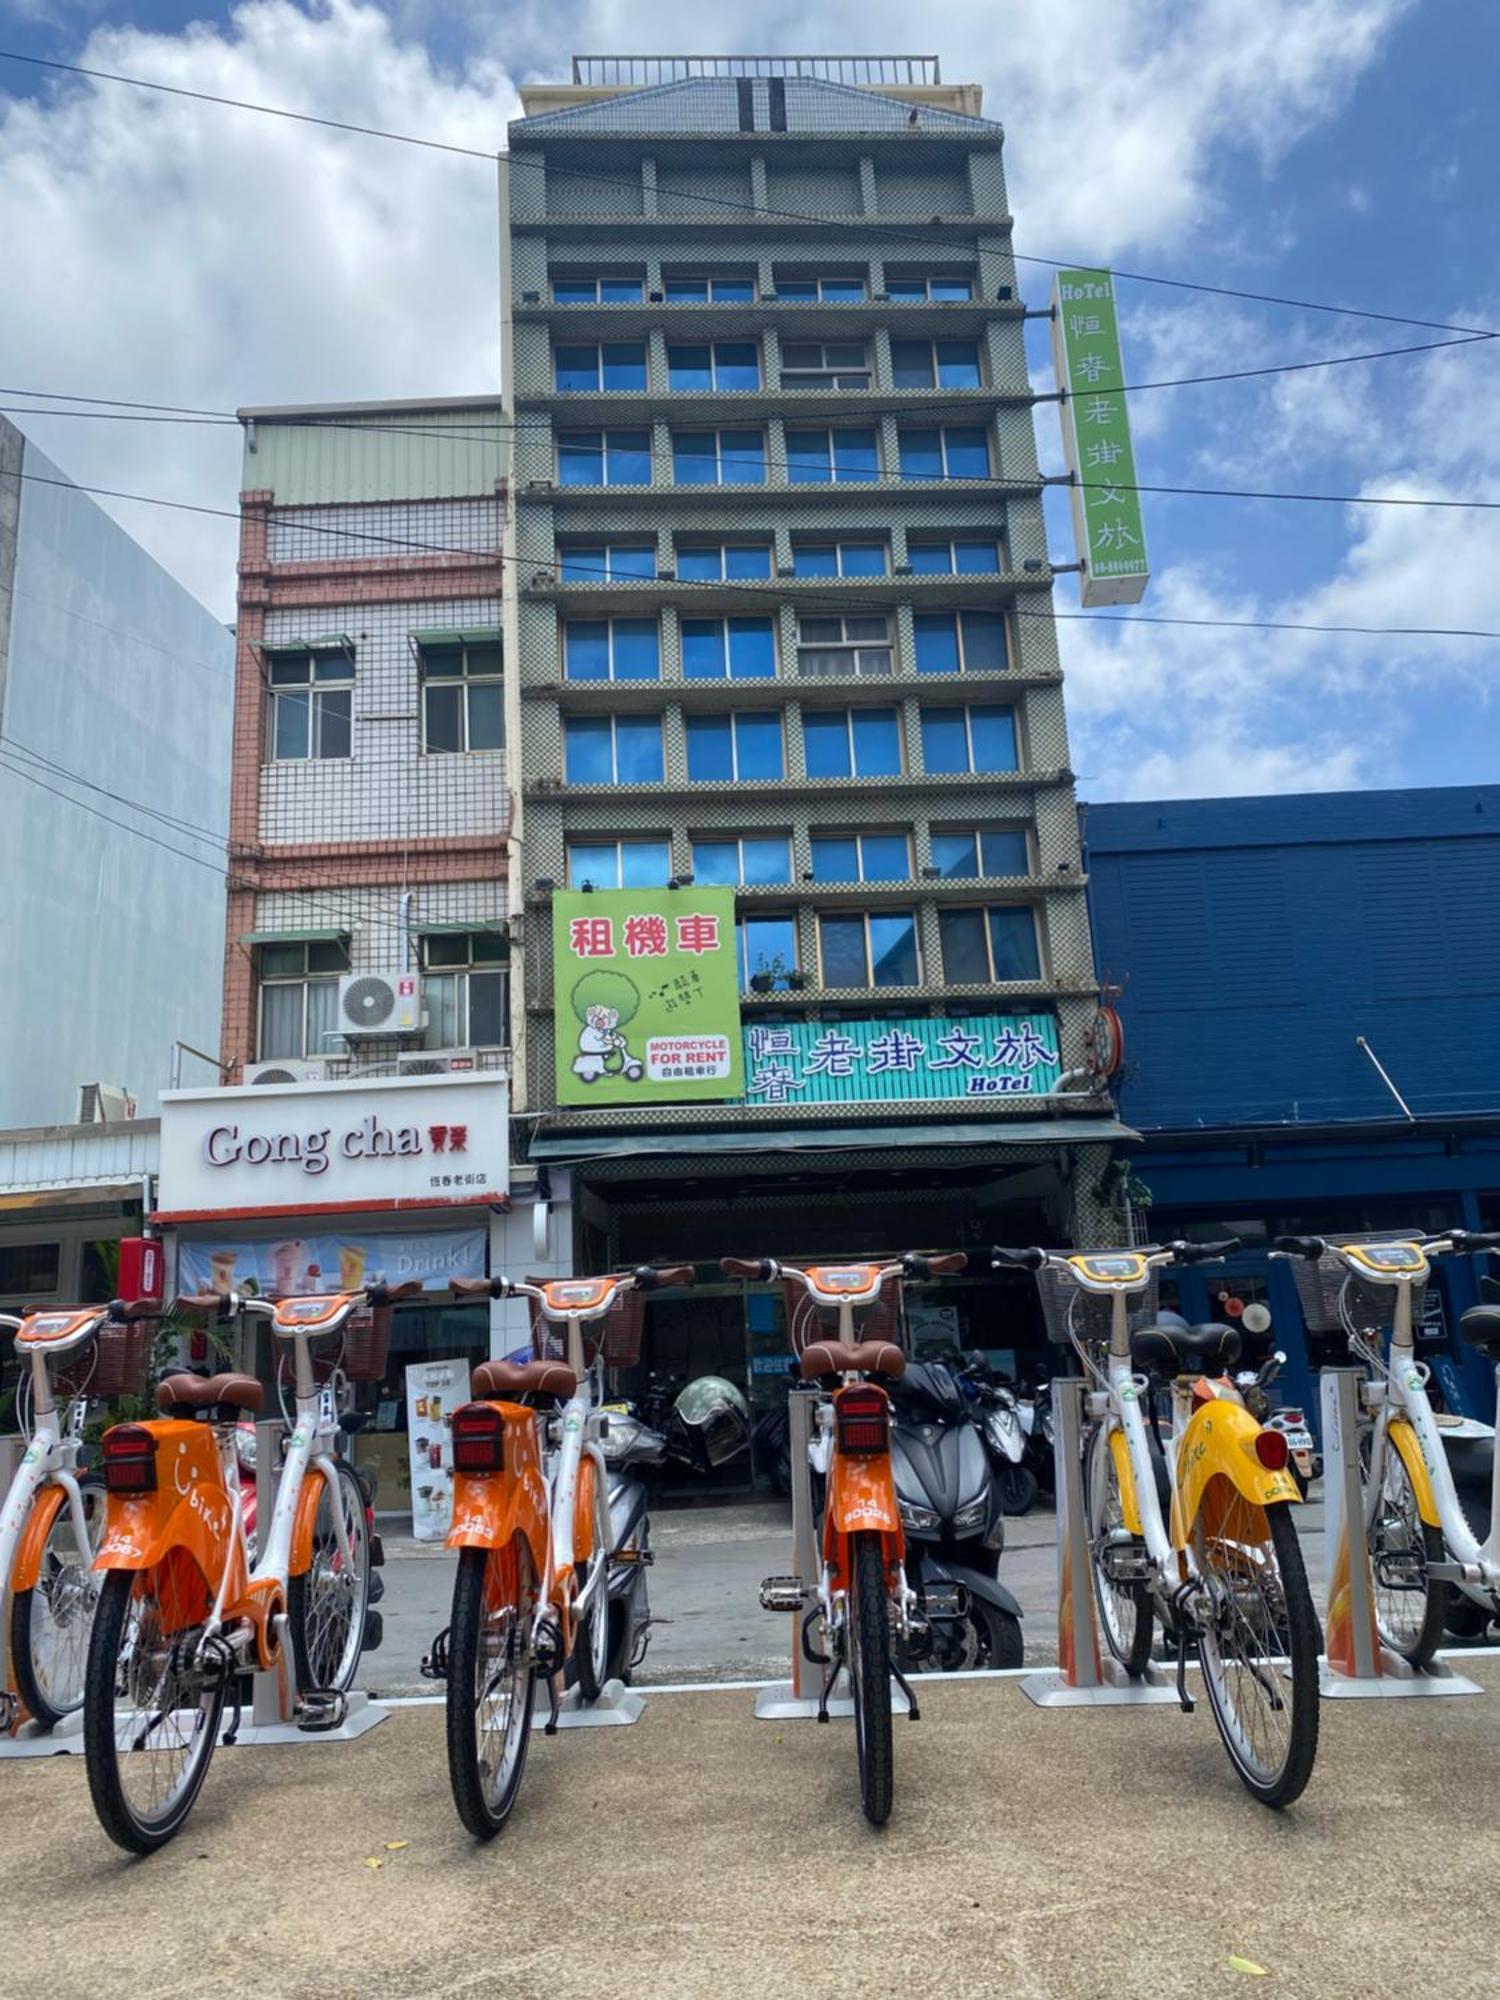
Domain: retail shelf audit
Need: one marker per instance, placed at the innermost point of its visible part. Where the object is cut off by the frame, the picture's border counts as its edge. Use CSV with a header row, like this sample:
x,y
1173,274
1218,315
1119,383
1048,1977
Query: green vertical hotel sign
x,y
1096,438
647,1007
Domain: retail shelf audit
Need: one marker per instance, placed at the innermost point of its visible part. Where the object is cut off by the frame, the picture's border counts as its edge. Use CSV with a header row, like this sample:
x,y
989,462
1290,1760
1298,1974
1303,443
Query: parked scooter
x,y
1254,1385
1039,1424
997,1410
954,1522
704,1422
629,1445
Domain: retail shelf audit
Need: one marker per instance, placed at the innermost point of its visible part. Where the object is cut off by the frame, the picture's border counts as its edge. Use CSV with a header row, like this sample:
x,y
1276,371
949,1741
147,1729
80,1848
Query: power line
x,y
866,230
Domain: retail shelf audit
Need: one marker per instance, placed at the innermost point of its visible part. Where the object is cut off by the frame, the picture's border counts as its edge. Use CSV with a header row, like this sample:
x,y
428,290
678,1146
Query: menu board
x,y
434,1390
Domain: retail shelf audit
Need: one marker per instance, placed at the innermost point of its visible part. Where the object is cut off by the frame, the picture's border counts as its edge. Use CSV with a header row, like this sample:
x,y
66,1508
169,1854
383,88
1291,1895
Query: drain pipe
x,y
403,928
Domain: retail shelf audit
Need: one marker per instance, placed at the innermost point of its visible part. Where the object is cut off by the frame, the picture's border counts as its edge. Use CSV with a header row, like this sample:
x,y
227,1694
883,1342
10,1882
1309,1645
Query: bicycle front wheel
x,y
1125,1612
327,1604
1259,1648
50,1623
1409,1600
869,1651
491,1685
150,1715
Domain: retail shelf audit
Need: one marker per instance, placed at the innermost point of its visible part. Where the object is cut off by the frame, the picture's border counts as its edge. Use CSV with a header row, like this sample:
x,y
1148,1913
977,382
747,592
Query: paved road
x,y
704,1591
1034,1854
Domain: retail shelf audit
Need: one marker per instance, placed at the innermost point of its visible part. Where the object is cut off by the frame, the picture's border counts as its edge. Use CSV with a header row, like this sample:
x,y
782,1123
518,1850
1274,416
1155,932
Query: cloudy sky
x,y
1340,151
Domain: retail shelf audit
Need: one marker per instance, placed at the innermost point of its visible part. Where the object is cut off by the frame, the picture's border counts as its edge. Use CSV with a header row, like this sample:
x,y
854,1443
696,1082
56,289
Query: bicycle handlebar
x,y
949,1262
1469,1242
1310,1247
1002,1259
1203,1253
649,1276
130,1309
761,1269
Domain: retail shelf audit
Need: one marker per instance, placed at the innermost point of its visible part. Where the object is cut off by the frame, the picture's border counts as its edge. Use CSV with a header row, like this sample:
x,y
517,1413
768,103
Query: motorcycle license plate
x,y
1298,1441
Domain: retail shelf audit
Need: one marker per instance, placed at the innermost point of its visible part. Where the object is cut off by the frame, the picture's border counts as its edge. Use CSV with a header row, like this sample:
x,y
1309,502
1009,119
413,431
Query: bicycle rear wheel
x,y
1125,1612
491,1684
50,1623
868,1639
150,1717
328,1603
1259,1649
1409,1600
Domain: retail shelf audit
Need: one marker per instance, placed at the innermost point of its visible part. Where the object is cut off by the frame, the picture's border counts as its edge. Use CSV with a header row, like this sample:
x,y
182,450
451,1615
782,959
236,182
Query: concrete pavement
x,y
1038,1855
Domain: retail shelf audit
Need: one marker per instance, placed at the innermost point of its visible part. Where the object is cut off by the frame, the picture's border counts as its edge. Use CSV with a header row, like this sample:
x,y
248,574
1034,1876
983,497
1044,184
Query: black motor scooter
x,y
954,1526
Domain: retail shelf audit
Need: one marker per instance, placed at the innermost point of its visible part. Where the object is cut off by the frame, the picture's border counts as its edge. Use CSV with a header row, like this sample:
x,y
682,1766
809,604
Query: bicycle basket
x,y
1093,1311
617,1336
365,1348
806,1321
116,1363
1372,1308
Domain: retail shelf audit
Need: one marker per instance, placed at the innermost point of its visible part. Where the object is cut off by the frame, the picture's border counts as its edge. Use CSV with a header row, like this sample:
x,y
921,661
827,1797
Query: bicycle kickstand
x,y
913,1713
556,1710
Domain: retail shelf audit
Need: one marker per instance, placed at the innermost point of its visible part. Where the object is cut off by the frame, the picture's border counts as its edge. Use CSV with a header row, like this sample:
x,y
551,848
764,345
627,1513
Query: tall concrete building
x,y
778,619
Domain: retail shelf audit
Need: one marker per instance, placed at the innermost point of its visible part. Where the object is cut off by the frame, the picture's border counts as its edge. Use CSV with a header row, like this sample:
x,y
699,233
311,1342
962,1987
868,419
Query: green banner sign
x,y
1096,438
646,996
884,1062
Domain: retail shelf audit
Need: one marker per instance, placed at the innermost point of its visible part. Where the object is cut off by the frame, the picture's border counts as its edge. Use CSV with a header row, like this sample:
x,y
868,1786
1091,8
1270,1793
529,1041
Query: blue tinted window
x,y
598,864
893,949
716,862
700,565
911,364
951,288
710,747
957,364
754,561
820,561
586,650
976,558
797,288
928,558
758,745
734,291
993,731
809,458
825,741
936,634
984,641
582,565
574,291
843,950
1002,851
695,458
744,457
736,365
576,368
945,740
618,291
587,751
580,458
967,451
921,454
624,365
877,742
689,367
752,649
629,458
843,288
1013,944
966,958
764,940
645,864
906,288
955,854
632,562
702,649
638,758
835,857
863,559
636,651
687,291
886,857
855,454
767,860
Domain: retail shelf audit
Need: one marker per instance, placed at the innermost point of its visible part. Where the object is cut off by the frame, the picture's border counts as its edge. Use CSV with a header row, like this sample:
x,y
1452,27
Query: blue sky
x,y
1340,150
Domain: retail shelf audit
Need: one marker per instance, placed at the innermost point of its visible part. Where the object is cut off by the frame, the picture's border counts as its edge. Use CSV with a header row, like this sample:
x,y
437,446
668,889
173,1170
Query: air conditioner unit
x,y
104,1103
287,1071
437,1062
376,1005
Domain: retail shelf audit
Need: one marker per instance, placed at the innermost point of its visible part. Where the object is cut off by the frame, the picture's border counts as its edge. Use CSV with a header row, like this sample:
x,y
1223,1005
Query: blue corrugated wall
x,y
1257,938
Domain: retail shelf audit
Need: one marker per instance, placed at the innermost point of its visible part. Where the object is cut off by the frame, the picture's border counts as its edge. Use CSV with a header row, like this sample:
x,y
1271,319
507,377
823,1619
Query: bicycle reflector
x,y
862,1417
1271,1450
129,1459
478,1439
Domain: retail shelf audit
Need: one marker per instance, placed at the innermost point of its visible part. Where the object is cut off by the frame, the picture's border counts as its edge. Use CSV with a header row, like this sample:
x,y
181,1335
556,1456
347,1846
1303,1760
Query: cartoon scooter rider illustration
x,y
604,1002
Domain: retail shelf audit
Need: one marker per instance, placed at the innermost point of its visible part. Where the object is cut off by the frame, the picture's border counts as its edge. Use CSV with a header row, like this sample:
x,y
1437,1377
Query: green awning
x,y
471,635
832,1138
322,642
462,927
329,934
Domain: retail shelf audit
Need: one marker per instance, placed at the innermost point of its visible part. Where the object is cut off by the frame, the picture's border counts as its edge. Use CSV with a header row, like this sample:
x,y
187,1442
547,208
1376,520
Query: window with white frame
x,y
969,739
463,704
851,742
971,641
719,458
824,364
597,288
640,862
743,746
869,948
935,364
722,562
831,644
612,749
730,366
931,285
606,562
839,559
955,555
861,857
717,287
310,695
945,451
994,947
587,367
747,861
735,649
824,287
829,457
611,649
967,852
299,998
464,989
604,458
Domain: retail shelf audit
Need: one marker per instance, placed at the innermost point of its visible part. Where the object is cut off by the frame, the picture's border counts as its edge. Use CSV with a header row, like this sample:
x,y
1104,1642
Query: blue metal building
x,y
1270,951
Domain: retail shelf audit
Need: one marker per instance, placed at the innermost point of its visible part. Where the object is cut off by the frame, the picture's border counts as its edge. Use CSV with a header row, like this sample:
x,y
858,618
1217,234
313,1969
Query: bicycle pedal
x,y
320,1709
434,1666
782,1593
942,1600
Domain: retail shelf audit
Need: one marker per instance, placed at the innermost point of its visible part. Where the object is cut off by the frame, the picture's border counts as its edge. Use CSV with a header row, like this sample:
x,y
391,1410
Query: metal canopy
x,y
832,1139
326,934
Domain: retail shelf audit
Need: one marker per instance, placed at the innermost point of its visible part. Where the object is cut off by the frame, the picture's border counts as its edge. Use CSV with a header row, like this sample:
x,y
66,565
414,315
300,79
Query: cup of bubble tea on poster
x,y
221,1265
351,1266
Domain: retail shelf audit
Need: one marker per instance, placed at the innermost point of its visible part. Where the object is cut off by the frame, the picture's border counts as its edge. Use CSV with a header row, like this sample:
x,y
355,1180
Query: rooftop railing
x,y
638,71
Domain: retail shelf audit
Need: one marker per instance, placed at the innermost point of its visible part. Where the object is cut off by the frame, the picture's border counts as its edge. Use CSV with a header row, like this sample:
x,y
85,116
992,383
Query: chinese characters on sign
x,y
646,996
806,1062
1096,438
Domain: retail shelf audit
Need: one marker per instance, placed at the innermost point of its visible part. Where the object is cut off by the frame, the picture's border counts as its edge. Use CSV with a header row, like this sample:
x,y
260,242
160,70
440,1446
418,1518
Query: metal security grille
x,y
638,71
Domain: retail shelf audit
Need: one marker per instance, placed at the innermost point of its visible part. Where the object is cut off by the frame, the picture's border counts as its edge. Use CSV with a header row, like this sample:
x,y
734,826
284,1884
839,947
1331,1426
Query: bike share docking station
x,y
1086,1676
1356,1666
798,1699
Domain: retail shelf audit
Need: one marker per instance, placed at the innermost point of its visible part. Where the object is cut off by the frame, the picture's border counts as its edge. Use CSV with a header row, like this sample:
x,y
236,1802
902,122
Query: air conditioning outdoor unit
x,y
104,1103
287,1071
437,1062
374,1006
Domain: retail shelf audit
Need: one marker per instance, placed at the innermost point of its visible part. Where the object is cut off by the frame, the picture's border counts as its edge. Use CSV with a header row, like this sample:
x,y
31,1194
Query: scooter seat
x,y
1480,1327
1185,1350
202,1392
851,1357
504,1379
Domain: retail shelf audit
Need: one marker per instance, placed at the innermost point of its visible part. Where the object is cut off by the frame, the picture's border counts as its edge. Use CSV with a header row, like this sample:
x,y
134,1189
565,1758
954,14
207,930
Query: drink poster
x,y
434,1390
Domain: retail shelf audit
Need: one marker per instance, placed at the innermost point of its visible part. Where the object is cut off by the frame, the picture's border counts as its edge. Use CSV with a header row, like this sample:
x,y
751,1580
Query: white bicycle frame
x,y
51,1456
1399,1388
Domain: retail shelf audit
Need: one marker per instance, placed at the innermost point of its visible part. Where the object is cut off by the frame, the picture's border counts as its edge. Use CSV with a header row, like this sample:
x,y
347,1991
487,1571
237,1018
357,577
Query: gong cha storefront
x,y
326,1187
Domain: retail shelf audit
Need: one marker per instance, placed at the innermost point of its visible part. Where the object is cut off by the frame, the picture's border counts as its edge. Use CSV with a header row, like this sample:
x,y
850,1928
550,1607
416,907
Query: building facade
x,y
1274,955
116,689
779,620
